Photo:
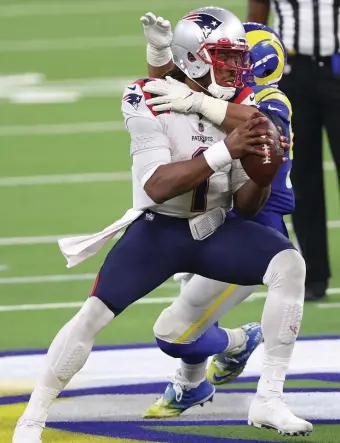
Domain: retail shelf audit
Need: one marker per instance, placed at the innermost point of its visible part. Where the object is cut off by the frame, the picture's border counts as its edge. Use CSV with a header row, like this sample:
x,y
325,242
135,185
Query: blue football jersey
x,y
272,100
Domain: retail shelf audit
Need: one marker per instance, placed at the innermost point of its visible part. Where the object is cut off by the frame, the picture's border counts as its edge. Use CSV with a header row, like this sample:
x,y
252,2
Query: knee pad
x,y
183,279
287,270
170,325
285,278
93,317
291,322
180,276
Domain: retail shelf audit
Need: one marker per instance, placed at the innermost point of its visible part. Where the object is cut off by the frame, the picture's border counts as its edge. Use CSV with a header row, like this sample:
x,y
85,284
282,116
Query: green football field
x,y
65,169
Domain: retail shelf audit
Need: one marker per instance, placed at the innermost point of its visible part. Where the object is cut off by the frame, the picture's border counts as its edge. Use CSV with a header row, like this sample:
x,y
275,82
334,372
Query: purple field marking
x,y
19,352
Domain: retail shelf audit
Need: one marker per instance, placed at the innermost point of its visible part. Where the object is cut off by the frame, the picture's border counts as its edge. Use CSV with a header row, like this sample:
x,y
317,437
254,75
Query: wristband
x,y
214,109
158,57
218,156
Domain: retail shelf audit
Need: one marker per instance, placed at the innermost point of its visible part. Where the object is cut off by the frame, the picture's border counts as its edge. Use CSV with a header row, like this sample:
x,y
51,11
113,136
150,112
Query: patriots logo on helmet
x,y
133,99
206,22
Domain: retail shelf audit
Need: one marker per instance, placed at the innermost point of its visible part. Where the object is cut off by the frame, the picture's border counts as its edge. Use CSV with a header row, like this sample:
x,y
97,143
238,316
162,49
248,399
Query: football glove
x,y
173,95
157,31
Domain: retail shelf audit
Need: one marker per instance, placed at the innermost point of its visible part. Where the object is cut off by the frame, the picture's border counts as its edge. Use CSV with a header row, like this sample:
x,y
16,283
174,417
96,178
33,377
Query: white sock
x,y
237,340
281,318
67,355
194,373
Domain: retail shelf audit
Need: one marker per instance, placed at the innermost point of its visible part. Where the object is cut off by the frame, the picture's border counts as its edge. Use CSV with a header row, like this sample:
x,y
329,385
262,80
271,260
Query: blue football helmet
x,y
268,54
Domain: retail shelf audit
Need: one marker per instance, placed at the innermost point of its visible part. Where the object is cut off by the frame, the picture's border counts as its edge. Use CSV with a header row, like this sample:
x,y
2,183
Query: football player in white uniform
x,y
177,175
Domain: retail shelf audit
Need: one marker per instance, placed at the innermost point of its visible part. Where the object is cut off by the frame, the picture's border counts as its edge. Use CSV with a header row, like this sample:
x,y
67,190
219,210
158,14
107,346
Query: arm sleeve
x,y
150,148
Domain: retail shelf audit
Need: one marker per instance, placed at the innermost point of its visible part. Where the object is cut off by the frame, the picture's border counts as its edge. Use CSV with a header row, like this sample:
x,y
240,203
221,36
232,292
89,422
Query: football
x,y
262,170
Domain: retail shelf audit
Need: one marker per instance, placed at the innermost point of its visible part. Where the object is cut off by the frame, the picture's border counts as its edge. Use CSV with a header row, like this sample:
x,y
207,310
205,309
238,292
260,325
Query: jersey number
x,y
199,196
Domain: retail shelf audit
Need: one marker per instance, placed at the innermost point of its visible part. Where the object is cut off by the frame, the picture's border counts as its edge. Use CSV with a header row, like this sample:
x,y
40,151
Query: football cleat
x,y
227,366
179,396
273,413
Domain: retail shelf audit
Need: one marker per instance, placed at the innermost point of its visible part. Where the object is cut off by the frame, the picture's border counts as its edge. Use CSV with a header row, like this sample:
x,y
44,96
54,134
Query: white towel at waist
x,y
78,249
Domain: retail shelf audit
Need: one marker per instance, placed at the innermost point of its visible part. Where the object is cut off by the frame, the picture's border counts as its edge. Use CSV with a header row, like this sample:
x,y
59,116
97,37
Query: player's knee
x,y
287,269
183,278
93,317
167,332
292,265
170,325
164,326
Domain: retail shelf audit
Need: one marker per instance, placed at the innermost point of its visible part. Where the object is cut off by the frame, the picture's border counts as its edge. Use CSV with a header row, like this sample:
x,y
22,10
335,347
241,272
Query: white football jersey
x,y
162,138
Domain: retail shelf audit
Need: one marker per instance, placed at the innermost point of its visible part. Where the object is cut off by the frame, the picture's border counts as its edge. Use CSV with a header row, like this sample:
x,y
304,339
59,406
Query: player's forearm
x,y
177,178
222,113
159,71
236,115
159,61
258,11
250,198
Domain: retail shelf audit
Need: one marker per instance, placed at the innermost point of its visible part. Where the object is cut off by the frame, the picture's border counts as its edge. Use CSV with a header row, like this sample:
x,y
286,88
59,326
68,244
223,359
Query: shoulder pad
x,y
133,102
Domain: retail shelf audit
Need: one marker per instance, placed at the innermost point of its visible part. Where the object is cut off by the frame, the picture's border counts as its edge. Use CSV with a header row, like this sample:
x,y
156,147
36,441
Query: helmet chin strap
x,y
217,91
221,92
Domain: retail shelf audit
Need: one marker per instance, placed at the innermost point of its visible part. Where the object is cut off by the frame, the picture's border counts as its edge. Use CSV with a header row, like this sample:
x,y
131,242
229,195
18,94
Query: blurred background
x,y
65,166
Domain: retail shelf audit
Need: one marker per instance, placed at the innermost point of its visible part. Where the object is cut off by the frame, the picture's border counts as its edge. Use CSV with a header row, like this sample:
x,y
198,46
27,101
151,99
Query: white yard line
x,y
61,129
34,88
72,305
38,240
149,300
37,279
50,239
65,178
328,166
72,44
331,224
89,8
328,305
54,179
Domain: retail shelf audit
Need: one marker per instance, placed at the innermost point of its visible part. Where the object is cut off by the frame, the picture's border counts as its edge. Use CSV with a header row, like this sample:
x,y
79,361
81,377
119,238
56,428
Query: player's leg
x,y
228,365
203,301
142,259
247,253
268,256
195,335
200,304
187,330
272,219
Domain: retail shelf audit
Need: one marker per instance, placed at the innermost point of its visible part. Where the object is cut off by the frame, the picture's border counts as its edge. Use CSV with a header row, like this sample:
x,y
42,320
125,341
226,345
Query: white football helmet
x,y
212,40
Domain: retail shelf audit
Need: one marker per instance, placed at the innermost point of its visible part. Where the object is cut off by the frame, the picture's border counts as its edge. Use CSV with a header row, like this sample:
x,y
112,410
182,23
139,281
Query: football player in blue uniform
x,y
190,387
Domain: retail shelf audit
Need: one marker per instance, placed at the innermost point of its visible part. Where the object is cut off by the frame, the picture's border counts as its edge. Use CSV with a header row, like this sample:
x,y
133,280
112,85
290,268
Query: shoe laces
x,y
178,388
179,384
